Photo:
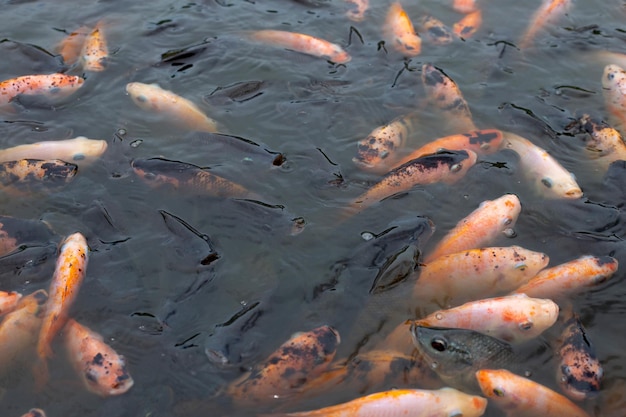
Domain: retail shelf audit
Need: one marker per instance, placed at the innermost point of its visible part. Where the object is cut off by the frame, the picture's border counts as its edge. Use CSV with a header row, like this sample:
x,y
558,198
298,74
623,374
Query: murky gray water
x,y
146,289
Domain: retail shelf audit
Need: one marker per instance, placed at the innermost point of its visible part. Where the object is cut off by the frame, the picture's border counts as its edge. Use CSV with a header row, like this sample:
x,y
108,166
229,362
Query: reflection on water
x,y
171,269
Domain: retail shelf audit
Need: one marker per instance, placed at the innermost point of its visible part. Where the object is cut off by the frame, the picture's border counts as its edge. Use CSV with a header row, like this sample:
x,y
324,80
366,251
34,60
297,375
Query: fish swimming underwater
x,y
31,174
95,51
184,176
614,91
398,30
303,43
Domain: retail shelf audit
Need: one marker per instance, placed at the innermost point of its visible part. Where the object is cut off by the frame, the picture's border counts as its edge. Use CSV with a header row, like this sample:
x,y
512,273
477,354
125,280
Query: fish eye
x,y
498,392
384,154
455,414
484,146
149,176
507,221
141,98
521,267
78,157
610,76
547,182
439,344
527,325
455,168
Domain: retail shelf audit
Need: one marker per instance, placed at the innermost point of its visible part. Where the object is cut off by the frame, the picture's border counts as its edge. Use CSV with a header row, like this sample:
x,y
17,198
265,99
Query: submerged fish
x,y
444,94
456,354
444,166
546,174
30,173
480,227
514,318
303,357
49,85
398,30
71,46
450,280
35,412
445,402
95,52
16,232
173,107
548,13
358,9
80,150
468,25
579,373
303,43
19,330
184,176
521,397
435,30
8,301
102,370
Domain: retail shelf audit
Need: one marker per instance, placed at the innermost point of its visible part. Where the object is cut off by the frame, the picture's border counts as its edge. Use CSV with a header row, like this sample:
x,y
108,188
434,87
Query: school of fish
x,y
477,305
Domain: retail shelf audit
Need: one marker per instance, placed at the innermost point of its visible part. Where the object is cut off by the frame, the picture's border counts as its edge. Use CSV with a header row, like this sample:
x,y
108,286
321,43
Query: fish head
x,y
506,209
560,185
106,374
446,353
524,265
380,144
87,149
614,78
159,171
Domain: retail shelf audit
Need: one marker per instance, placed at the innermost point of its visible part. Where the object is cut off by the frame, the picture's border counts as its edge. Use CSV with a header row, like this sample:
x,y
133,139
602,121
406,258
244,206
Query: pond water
x,y
147,290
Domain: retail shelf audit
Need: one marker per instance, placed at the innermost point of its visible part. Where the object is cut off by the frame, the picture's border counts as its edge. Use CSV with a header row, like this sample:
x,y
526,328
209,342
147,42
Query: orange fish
x,y
19,329
35,412
71,46
547,176
614,91
444,402
445,166
49,85
476,273
579,372
444,94
302,358
491,219
8,301
465,6
95,52
570,277
66,282
358,9
305,44
512,318
399,31
435,30
605,143
549,11
520,396
175,108
101,369
378,151
483,142
468,25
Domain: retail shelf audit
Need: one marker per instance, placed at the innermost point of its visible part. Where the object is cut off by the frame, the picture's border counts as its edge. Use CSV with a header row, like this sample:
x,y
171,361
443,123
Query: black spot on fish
x,y
433,78
98,359
604,260
479,137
